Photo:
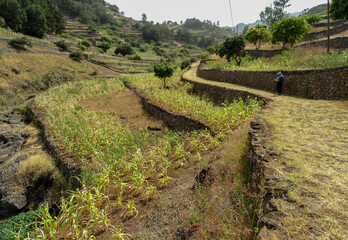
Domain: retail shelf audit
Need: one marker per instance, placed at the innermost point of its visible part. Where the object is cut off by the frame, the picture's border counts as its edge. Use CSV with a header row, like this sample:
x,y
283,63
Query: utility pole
x,y
328,26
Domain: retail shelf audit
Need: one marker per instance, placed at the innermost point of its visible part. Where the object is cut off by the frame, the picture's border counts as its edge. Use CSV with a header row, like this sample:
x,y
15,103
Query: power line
x,y
231,12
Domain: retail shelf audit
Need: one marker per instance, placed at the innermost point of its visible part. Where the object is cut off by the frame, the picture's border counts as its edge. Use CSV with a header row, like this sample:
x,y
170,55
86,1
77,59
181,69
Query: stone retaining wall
x,y
265,181
173,120
67,165
317,84
221,94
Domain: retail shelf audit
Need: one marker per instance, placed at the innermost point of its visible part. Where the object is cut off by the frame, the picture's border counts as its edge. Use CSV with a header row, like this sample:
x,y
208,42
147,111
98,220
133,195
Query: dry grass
x,y
24,74
35,168
311,139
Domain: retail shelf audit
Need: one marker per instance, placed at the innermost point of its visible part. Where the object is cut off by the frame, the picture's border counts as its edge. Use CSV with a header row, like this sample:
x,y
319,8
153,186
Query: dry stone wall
x,y
317,84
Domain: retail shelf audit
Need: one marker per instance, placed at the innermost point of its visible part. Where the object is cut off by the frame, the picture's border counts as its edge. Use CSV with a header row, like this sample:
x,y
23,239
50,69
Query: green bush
x,y
20,226
124,49
185,64
76,56
134,57
62,46
83,48
104,46
86,43
142,49
203,55
20,42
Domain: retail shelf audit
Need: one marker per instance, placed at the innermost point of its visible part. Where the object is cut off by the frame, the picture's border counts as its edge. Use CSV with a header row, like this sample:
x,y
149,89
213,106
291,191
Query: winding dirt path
x,y
310,140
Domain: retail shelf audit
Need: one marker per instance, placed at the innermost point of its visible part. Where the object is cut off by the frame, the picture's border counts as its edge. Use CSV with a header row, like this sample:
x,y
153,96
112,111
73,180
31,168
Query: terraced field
x,y
309,139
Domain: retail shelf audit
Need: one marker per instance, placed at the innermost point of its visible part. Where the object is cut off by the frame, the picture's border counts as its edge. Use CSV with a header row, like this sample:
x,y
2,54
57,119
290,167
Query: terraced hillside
x,y
303,150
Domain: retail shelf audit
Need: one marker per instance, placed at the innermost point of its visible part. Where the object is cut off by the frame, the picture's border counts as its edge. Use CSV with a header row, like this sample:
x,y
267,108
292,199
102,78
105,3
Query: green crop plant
x,y
123,164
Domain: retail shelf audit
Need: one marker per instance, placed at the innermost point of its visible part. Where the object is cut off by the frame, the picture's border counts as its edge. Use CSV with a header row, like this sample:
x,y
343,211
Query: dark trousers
x,y
279,88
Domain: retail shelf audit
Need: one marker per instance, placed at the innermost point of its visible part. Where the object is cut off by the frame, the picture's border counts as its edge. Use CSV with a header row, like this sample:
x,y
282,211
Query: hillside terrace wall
x,y
317,84
173,120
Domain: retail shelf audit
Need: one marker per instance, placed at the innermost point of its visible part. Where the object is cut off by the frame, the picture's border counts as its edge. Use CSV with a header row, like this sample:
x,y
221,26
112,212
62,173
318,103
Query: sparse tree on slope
x,y
233,48
256,35
290,30
163,70
276,13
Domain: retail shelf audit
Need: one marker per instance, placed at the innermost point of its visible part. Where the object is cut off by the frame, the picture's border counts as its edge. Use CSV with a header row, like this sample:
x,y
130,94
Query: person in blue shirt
x,y
279,80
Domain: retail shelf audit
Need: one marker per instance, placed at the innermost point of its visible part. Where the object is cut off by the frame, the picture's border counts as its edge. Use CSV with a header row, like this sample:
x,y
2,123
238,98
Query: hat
x,y
279,73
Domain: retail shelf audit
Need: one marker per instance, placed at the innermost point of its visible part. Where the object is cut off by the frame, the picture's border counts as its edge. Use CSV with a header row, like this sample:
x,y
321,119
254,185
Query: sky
x,y
243,11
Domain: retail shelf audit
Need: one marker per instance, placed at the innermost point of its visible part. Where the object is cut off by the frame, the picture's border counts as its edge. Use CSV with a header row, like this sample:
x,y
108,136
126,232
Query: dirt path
x,y
310,138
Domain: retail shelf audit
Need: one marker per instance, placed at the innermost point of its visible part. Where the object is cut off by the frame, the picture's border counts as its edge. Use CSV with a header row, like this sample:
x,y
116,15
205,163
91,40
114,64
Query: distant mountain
x,y
320,9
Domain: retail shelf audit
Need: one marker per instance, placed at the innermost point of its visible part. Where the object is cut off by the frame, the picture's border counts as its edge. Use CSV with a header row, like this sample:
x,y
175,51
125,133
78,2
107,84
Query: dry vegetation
x,y
24,74
310,138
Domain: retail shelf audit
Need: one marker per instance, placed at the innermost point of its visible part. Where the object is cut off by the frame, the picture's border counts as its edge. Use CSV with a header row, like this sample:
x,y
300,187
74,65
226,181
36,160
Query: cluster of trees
x,y
88,11
286,31
32,17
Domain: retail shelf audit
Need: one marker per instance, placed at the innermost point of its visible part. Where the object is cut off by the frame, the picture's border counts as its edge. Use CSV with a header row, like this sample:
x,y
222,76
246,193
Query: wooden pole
x,y
328,26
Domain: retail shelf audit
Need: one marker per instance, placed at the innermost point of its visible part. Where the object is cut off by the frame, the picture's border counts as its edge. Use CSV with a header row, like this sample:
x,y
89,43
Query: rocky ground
x,y
19,141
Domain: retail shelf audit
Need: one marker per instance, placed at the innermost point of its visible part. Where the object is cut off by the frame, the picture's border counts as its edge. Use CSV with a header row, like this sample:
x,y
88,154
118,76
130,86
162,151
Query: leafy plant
x,y
62,45
290,30
163,70
124,49
20,42
233,48
76,56
256,35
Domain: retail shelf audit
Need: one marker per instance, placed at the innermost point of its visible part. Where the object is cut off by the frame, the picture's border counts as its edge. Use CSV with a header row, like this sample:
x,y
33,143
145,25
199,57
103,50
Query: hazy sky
x,y
246,11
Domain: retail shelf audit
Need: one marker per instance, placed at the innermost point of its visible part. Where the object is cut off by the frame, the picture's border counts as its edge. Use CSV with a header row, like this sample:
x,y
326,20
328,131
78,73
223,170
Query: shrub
x,y
83,48
185,64
86,43
203,55
142,49
134,57
35,169
62,45
20,42
124,49
76,56
104,46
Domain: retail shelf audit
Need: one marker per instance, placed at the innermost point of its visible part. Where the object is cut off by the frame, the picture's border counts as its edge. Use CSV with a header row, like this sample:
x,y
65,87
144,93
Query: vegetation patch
x,y
299,59
123,168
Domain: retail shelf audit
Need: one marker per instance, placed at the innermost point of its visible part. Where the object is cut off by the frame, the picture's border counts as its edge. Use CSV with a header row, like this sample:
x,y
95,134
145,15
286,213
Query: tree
x,y
144,17
339,9
163,70
245,29
313,19
124,49
256,35
36,21
233,47
13,14
276,13
290,30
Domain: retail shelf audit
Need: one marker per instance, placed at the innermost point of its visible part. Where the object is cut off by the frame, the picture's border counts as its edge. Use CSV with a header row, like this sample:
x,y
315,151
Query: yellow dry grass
x,y
23,74
311,140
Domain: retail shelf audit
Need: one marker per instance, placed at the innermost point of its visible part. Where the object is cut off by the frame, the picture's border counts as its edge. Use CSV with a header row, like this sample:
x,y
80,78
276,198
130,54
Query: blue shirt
x,y
280,78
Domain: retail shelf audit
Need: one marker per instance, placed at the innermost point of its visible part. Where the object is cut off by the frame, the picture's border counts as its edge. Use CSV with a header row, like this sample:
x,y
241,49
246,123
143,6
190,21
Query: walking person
x,y
279,83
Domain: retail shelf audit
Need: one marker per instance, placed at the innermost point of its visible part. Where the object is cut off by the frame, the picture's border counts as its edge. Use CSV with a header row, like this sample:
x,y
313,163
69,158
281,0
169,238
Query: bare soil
x,y
127,105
